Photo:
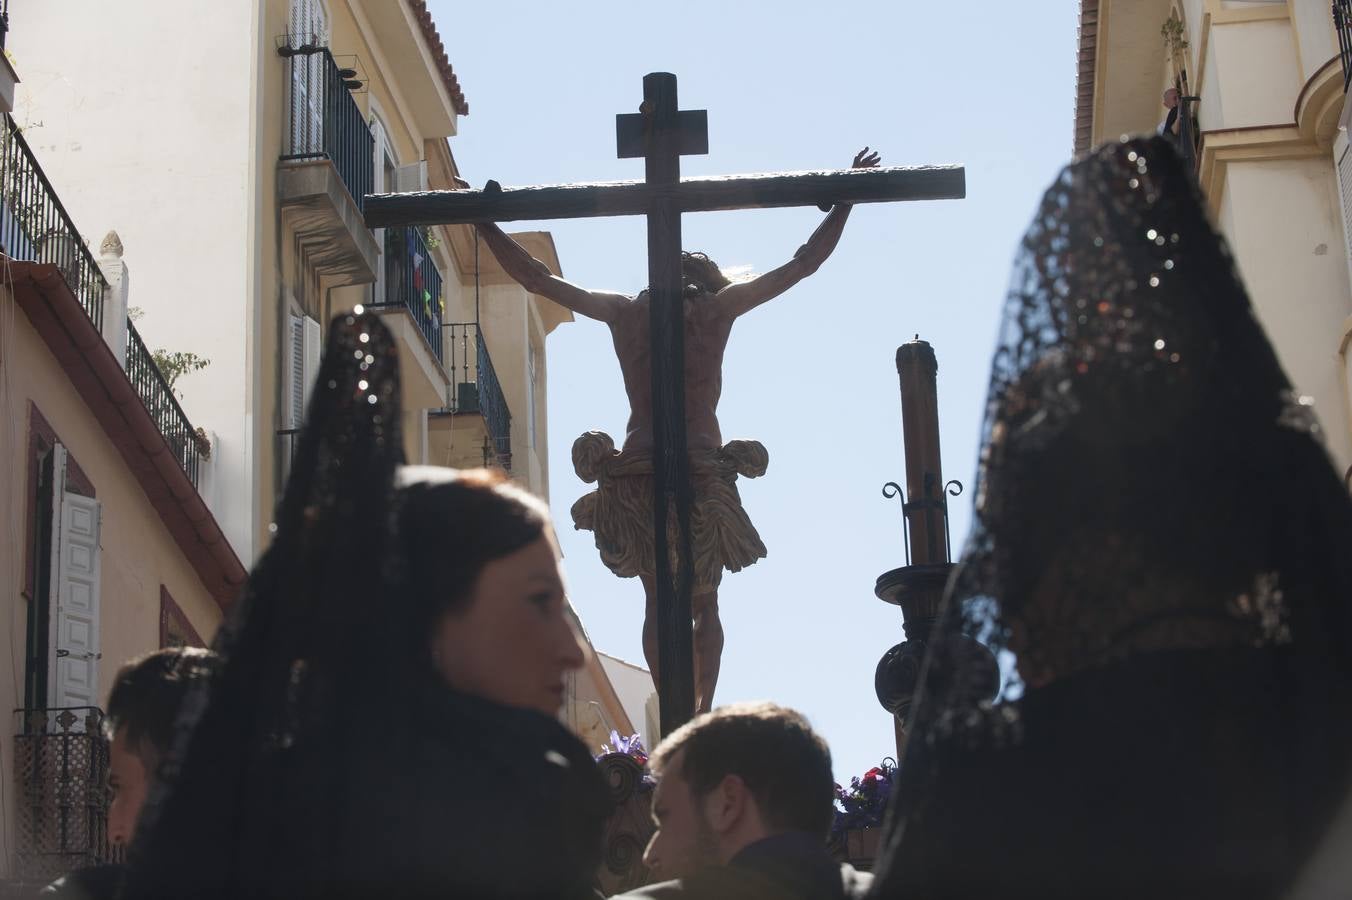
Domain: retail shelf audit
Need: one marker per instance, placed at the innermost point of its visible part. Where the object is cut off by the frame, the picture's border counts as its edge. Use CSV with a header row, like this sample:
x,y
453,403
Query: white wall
x,y
139,112
634,686
1283,223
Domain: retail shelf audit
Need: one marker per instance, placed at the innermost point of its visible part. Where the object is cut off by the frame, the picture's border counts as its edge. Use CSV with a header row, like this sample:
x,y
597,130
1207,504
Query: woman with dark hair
x,y
1162,561
384,721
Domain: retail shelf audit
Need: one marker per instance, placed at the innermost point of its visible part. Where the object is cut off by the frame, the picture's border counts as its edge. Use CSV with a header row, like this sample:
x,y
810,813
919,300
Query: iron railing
x,y
62,797
1342,23
154,391
4,22
412,281
35,226
475,386
325,122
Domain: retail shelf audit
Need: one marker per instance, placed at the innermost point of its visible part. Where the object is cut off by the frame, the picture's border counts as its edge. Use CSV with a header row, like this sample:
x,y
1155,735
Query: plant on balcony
x,y
864,803
1174,42
173,364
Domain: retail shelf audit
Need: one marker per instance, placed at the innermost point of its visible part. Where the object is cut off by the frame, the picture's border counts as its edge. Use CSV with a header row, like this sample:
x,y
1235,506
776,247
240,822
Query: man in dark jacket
x,y
142,707
743,804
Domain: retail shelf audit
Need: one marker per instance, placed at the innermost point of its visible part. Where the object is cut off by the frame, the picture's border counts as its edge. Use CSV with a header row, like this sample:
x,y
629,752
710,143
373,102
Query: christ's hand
x,y
866,159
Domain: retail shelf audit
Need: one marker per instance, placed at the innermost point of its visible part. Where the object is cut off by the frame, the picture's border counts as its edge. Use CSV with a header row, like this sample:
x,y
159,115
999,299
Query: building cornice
x,y
58,317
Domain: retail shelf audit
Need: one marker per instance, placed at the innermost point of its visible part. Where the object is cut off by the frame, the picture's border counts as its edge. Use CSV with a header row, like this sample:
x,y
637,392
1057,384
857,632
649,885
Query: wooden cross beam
x,y
661,133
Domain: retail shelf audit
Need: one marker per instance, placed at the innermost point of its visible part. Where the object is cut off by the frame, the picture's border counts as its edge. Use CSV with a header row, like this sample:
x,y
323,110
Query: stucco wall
x,y
1257,74
147,130
137,553
1282,222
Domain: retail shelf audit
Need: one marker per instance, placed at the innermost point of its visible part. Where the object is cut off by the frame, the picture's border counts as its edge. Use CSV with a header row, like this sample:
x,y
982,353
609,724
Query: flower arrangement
x,y
864,803
630,746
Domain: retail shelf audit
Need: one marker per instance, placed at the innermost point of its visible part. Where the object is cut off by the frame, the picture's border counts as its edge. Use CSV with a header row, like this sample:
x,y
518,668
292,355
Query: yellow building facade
x,y
1271,155
233,176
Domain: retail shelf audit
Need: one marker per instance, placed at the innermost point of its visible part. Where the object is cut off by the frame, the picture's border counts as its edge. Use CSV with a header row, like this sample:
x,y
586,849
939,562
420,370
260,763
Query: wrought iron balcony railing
x,y
34,225
154,391
475,386
324,121
62,797
412,281
1342,23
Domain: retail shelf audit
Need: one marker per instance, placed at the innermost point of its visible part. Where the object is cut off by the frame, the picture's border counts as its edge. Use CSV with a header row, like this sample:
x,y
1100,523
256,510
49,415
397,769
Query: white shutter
x,y
295,372
1345,192
378,134
530,393
310,346
73,641
412,177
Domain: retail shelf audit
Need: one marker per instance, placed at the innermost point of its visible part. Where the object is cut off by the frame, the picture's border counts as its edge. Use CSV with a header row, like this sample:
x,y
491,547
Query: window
x,y
309,26
63,624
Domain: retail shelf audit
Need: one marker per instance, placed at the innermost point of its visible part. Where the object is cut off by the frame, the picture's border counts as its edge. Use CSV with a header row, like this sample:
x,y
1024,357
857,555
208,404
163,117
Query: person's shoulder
x,y
854,882
714,883
88,883
662,890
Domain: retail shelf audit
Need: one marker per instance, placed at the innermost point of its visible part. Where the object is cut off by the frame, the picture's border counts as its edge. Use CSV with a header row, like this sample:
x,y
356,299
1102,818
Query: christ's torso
x,y
706,336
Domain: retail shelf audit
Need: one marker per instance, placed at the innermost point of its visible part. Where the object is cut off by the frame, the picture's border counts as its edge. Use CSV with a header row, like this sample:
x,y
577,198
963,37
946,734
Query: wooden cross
x,y
662,133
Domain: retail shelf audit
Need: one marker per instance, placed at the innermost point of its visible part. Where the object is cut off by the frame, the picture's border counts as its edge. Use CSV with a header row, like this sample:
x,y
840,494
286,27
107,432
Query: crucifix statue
x,y
666,508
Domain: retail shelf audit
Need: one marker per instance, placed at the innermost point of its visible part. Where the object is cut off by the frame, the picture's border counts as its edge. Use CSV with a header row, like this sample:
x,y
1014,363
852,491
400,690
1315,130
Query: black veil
x,y
1161,561
265,751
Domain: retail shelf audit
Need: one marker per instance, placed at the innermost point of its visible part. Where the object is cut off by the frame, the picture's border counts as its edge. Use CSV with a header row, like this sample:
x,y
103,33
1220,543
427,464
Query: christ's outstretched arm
x,y
535,276
747,295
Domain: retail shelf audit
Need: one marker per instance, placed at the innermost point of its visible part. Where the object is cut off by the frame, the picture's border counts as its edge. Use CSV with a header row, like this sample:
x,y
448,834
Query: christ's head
x,y
702,273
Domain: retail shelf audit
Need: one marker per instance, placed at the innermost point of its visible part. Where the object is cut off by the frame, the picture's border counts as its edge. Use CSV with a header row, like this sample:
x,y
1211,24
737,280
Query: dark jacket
x,y
792,866
89,883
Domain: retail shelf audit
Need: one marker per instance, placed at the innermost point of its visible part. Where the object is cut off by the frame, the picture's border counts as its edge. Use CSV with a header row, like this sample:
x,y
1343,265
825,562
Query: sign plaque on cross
x,y
661,133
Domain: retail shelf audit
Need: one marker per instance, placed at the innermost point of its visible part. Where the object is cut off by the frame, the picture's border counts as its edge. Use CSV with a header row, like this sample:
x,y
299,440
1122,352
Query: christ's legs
x,y
708,641
650,625
708,648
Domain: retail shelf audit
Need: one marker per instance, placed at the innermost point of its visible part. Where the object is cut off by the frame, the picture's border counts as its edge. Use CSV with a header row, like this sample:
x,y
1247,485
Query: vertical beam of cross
x,y
664,137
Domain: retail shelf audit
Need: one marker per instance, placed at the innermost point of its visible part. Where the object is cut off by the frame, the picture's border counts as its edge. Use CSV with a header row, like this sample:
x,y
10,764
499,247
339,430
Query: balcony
x,y
35,226
409,301
189,447
61,792
475,427
413,283
327,168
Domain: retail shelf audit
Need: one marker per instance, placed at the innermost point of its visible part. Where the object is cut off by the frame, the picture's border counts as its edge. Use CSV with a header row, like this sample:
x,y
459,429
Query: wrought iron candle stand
x,y
918,586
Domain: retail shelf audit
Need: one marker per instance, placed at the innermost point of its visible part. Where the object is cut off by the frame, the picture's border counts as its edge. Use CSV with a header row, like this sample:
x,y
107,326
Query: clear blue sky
x,y
788,86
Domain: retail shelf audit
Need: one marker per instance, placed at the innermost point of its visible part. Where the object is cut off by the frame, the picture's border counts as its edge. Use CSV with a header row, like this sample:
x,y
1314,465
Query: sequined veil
x,y
264,751
1162,562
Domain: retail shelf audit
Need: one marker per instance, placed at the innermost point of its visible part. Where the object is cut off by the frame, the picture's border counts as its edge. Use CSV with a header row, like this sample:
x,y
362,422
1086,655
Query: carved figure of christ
x,y
661,133
712,304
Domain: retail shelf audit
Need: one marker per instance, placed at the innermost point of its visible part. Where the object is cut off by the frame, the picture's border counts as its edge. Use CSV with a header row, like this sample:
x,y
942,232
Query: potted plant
x,y
860,809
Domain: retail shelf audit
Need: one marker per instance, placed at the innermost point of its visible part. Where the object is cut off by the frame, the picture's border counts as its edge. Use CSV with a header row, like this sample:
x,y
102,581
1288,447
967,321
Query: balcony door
x,y
63,645
309,27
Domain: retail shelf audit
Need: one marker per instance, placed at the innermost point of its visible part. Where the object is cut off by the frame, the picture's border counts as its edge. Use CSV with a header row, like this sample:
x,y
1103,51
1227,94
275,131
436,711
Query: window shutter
x,y
295,372
74,629
1345,193
412,177
310,347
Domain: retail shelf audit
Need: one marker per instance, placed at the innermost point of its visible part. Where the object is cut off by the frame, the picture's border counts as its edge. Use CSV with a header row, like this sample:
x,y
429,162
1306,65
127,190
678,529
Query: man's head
x,y
1170,98
141,710
731,777
703,273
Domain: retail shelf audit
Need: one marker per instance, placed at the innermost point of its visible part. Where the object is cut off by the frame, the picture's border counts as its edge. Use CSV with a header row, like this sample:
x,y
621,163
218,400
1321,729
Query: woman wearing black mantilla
x,y
1162,560
383,724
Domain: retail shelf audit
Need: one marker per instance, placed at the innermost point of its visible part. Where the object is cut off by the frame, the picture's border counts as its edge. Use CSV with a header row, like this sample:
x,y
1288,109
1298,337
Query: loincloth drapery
x,y
620,511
